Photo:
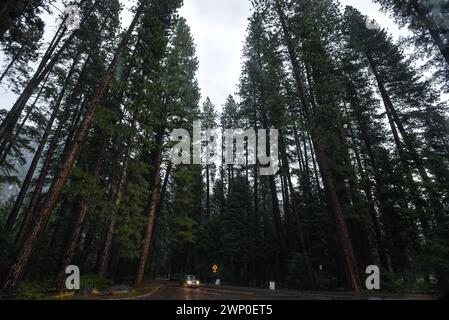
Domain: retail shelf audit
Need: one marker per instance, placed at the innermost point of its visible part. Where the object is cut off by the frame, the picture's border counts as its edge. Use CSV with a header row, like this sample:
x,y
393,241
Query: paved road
x,y
176,292
171,291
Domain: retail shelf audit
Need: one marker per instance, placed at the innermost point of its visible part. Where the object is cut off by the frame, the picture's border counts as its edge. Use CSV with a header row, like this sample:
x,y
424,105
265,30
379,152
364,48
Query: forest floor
x,y
111,294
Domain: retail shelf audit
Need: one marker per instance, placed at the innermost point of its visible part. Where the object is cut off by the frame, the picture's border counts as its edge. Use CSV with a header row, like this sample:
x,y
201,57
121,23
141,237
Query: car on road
x,y
190,281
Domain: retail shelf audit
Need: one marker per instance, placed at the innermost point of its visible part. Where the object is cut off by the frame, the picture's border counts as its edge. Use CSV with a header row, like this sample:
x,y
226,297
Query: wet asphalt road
x,y
172,291
176,292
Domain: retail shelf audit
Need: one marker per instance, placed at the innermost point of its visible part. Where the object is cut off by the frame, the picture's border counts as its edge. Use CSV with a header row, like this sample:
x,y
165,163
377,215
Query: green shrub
x,y
392,283
34,290
97,282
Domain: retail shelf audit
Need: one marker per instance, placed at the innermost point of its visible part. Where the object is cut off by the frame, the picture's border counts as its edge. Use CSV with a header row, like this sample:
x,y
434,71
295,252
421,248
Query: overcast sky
x,y
219,29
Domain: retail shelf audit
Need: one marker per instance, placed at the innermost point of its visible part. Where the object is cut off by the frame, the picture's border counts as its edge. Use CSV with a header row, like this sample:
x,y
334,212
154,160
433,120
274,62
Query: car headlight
x,y
189,282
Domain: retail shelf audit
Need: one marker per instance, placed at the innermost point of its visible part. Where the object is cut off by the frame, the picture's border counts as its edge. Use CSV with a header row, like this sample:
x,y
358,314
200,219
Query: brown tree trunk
x,y
360,231
7,144
70,249
44,68
394,118
426,17
79,221
296,215
32,205
207,192
16,271
304,170
287,215
396,124
26,183
222,175
369,195
117,198
159,209
154,186
255,200
332,198
381,199
308,141
10,64
279,226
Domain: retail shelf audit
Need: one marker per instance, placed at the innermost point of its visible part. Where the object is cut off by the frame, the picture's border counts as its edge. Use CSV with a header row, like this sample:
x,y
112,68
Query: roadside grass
x,y
135,292
43,290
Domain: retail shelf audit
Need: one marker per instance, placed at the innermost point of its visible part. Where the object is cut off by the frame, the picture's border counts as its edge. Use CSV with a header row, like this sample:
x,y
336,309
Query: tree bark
x,y
426,17
16,271
160,204
7,144
32,205
154,186
117,198
369,195
10,64
79,221
396,125
26,183
44,68
207,192
296,215
332,198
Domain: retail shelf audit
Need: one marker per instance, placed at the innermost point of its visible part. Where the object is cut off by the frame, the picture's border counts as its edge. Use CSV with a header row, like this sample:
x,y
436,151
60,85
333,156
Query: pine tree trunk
x,y
159,209
391,111
275,208
396,124
89,241
13,115
222,175
16,271
7,144
308,139
434,31
79,221
287,221
279,226
106,250
70,249
66,207
32,205
256,203
10,64
332,198
26,183
360,230
369,195
296,215
304,170
207,192
381,200
154,186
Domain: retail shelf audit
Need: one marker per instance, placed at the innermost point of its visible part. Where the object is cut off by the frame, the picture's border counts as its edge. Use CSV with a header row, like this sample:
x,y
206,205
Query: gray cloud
x,y
219,29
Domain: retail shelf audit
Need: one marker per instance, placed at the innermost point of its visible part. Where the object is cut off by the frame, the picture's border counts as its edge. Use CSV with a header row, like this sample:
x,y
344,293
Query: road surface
x,y
172,291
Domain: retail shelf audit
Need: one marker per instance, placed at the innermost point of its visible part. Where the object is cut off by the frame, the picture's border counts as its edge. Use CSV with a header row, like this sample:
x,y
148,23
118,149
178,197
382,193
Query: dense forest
x,y
363,148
